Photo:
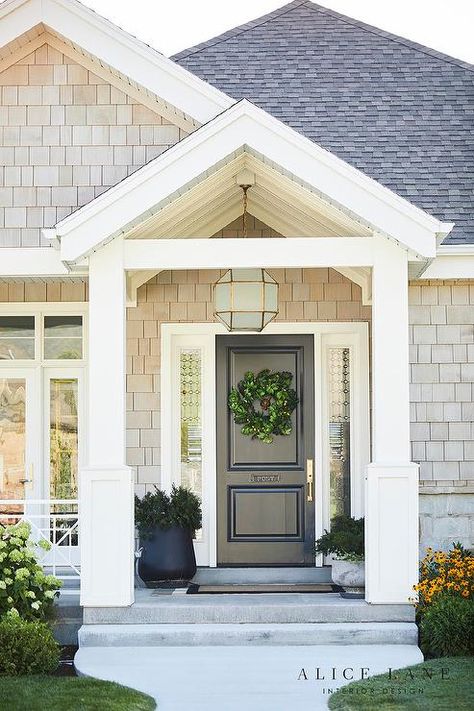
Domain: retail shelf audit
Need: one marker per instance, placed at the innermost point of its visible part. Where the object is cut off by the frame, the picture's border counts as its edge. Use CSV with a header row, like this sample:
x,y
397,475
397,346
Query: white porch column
x,y
106,485
392,479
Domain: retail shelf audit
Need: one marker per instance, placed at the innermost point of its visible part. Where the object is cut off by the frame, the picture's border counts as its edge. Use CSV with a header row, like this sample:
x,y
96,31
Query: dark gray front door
x,y
265,507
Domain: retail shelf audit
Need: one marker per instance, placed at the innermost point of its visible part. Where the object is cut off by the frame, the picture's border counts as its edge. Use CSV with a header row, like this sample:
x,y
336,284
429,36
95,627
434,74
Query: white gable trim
x,y
245,125
118,49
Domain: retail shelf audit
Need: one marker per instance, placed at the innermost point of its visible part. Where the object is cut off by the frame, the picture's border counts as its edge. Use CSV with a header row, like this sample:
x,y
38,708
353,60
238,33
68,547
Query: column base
x,y
391,532
106,511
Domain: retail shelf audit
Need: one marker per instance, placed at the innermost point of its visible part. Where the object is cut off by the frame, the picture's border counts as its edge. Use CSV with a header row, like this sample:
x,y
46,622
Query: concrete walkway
x,y
255,678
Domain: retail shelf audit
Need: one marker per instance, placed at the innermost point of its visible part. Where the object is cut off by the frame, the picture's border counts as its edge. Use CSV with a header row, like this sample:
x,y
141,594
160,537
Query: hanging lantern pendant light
x,y
246,299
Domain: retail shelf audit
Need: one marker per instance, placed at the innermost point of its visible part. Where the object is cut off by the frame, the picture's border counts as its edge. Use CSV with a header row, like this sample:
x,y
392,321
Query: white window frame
x,y
39,310
353,335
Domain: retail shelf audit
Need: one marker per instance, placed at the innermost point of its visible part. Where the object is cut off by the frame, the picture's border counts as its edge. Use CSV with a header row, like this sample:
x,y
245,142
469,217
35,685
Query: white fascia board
x,y
271,252
455,266
31,261
117,48
246,125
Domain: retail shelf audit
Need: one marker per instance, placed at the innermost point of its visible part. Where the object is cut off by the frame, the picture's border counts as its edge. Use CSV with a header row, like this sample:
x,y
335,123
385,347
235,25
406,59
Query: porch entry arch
x,y
327,338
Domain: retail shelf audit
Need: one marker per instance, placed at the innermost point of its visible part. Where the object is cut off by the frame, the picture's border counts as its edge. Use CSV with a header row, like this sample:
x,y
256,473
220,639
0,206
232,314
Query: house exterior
x,y
122,205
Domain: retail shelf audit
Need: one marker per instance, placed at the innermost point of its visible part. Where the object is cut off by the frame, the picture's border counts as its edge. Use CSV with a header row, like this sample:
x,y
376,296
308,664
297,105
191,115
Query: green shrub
x,y
26,648
345,540
447,627
24,588
159,510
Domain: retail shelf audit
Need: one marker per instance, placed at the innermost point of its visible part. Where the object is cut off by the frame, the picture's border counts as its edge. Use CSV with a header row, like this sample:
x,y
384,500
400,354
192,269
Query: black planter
x,y
168,555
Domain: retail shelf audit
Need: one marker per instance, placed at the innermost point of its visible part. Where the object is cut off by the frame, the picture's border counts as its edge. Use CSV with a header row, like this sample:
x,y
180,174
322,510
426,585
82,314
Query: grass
x,y
37,693
412,689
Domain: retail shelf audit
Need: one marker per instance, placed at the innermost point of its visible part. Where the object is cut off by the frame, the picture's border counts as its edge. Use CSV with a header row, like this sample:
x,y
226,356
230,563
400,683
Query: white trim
x,y
245,125
115,47
451,264
352,334
28,261
271,252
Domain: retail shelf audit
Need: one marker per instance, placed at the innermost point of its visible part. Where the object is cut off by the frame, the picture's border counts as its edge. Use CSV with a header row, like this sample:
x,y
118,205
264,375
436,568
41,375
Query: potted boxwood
x,y
166,526
345,542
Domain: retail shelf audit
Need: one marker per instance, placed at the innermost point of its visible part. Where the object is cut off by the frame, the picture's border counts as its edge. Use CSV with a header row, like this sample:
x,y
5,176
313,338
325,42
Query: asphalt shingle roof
x,y
400,112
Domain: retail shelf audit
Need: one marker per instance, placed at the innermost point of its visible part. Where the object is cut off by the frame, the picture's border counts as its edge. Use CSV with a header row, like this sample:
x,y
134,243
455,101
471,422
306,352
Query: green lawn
x,y
38,693
413,690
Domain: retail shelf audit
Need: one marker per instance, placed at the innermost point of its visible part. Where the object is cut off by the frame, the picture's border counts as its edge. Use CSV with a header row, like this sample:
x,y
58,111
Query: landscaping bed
x,y
437,685
37,693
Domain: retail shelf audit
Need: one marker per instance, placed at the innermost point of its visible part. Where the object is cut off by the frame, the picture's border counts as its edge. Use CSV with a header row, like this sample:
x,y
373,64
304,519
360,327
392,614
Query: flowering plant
x,y
25,590
445,573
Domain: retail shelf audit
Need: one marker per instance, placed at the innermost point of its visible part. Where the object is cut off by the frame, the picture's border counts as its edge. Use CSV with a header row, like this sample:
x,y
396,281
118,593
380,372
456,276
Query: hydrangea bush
x,y
25,591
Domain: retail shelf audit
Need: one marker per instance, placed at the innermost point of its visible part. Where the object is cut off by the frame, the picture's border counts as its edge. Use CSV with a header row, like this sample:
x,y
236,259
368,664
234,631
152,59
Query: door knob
x,y
30,478
309,479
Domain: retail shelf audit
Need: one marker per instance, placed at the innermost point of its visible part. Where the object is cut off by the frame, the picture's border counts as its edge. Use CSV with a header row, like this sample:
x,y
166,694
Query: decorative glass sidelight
x,y
12,438
190,380
339,410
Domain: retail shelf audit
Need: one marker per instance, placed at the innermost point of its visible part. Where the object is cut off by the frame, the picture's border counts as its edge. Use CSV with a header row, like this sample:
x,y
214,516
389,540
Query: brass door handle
x,y
309,479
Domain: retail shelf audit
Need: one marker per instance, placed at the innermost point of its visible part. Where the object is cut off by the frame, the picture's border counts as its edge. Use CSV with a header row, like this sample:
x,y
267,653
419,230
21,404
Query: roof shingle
x,y
400,112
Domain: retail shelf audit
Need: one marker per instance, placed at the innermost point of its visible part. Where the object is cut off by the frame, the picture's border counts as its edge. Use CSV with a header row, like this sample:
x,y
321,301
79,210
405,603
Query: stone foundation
x,y
446,518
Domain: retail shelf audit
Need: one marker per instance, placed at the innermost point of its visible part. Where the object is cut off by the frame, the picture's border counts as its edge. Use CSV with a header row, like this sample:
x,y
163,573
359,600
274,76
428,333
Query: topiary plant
x,y
26,647
344,541
24,588
447,627
159,510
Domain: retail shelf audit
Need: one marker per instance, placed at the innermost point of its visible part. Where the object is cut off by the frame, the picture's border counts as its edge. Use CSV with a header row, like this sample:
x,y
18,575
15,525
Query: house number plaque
x,y
264,478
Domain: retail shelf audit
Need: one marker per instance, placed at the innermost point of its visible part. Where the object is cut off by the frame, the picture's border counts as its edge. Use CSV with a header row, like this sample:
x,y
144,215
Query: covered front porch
x,y
164,226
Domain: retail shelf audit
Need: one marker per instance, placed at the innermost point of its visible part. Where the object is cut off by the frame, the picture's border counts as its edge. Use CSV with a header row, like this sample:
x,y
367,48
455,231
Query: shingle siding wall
x,y
442,378
65,137
442,409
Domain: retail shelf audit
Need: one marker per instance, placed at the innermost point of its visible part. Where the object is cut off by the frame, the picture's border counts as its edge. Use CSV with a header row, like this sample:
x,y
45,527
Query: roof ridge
x,y
240,29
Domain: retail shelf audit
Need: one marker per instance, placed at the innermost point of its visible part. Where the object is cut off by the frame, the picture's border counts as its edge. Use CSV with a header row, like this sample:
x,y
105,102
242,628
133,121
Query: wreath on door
x,y
277,400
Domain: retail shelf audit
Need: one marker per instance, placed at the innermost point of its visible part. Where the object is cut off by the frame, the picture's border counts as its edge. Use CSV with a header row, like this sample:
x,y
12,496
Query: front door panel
x,y
264,515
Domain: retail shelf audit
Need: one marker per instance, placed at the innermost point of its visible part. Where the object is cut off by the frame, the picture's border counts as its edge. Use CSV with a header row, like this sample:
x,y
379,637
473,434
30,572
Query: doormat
x,y
259,589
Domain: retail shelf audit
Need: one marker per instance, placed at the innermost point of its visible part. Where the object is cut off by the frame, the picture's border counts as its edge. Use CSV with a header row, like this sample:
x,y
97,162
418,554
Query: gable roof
x,y
246,127
398,111
105,45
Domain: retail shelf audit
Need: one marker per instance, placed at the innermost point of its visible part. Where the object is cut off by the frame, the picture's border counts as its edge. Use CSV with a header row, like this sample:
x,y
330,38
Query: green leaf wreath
x,y
277,401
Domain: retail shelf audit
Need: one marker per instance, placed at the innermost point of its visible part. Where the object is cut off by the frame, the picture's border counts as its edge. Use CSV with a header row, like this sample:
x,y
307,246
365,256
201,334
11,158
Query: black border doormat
x,y
259,589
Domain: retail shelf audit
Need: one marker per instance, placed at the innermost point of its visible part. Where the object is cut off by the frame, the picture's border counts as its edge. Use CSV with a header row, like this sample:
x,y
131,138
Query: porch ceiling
x,y
208,204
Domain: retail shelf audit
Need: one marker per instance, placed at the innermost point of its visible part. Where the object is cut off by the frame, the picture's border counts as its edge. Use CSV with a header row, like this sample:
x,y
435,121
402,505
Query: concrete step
x,y
244,576
267,608
183,635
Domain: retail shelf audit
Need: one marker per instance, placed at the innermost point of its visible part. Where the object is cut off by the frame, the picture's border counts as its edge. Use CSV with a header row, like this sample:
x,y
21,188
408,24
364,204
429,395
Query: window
x,y
17,337
63,438
339,431
62,337
12,437
190,421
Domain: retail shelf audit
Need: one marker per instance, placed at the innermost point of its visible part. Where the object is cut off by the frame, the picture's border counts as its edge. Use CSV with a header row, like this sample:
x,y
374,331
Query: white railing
x,y
55,521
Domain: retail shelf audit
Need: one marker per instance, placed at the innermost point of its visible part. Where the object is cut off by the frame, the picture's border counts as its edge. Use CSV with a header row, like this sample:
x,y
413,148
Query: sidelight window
x,y
339,386
191,420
